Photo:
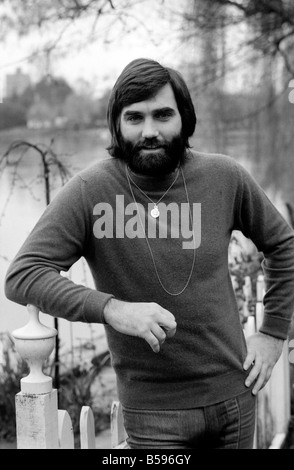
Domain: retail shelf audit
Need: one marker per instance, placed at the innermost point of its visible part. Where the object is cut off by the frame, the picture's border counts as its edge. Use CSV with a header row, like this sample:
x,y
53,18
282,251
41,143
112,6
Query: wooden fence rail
x,y
41,425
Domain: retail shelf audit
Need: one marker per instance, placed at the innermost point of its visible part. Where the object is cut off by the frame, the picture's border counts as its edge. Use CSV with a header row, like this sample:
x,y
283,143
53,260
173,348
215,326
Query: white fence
x,y
273,401
39,422
41,425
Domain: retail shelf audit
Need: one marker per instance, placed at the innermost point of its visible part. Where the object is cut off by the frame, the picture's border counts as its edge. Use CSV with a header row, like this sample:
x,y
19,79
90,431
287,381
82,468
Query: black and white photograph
x,y
146,227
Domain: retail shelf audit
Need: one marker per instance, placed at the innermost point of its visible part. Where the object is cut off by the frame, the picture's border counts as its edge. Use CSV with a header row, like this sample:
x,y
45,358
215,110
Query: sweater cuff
x,y
275,326
94,306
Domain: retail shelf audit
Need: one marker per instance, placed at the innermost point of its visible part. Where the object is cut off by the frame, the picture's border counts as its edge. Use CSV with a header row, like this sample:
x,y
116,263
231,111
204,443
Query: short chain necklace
x,y
155,211
146,238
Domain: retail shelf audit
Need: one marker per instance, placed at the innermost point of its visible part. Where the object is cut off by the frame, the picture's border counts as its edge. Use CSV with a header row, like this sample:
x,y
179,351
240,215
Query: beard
x,y
153,157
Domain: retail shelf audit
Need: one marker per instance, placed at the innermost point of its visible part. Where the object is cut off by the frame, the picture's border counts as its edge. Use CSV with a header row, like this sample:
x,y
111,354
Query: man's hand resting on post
x,y
148,321
263,351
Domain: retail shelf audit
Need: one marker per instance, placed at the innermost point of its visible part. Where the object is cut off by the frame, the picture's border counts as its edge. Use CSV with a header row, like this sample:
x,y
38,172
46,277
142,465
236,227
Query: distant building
x,y
17,83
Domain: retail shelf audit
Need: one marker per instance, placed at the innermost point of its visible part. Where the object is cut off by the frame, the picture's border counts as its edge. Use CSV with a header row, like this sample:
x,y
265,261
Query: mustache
x,y
150,144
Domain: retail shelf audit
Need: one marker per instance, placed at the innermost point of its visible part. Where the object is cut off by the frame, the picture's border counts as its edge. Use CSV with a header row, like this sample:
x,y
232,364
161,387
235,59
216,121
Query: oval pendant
x,y
155,212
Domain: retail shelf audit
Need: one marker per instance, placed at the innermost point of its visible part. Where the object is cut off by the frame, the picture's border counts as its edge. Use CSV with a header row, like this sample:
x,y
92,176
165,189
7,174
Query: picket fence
x,y
41,425
274,400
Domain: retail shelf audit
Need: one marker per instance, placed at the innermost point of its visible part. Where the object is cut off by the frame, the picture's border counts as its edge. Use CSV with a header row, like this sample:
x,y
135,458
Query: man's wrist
x,y
108,309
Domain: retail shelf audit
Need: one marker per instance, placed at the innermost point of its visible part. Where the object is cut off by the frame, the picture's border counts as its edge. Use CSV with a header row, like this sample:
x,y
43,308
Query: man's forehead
x,y
162,99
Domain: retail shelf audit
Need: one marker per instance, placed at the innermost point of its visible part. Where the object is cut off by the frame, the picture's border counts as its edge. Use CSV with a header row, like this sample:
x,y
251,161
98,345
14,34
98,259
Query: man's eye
x,y
134,118
163,115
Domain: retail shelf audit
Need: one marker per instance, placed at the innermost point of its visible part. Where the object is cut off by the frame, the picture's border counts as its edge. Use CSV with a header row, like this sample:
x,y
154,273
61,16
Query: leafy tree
x,y
270,23
253,38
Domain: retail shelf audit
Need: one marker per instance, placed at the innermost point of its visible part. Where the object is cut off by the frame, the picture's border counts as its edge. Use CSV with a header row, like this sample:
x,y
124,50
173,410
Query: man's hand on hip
x,y
263,351
146,320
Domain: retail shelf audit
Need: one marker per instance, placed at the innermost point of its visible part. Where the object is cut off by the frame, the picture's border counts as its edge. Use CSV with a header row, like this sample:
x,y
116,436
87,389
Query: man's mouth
x,y
157,147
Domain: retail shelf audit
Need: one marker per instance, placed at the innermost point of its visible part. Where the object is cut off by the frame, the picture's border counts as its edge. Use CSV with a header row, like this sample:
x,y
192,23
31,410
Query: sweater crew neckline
x,y
151,183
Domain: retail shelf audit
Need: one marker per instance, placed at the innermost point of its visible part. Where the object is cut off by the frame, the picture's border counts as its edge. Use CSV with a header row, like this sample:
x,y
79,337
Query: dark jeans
x,y
226,425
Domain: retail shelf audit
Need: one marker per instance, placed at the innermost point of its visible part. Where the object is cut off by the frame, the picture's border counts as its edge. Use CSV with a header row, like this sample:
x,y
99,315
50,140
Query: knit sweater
x,y
95,216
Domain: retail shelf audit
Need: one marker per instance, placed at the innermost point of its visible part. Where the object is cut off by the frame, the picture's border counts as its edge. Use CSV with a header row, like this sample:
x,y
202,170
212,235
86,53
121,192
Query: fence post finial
x,y
35,342
36,404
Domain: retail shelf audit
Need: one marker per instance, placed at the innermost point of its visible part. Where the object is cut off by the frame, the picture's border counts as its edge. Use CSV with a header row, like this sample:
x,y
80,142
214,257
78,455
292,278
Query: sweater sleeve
x,y
258,219
57,241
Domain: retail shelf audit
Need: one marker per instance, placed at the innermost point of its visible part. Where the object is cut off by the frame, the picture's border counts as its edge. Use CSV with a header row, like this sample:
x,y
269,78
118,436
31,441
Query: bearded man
x,y
154,224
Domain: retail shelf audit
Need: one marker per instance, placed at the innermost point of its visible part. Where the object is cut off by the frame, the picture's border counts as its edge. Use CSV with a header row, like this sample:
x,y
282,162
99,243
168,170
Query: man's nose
x,y
150,129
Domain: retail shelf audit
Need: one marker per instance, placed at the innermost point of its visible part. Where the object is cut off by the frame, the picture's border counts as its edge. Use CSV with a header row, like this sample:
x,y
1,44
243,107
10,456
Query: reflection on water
x,y
22,201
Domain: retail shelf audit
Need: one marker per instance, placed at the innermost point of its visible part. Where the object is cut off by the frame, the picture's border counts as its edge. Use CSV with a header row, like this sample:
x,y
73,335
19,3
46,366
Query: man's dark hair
x,y
141,80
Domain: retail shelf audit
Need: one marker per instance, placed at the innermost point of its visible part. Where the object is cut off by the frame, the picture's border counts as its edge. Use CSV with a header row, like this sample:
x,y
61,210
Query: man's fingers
x,y
249,360
254,372
261,381
152,341
260,373
171,332
148,321
263,353
159,333
168,322
156,337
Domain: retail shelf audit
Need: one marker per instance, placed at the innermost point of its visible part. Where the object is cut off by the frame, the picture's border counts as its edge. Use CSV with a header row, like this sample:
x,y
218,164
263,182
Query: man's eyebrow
x,y
131,113
165,109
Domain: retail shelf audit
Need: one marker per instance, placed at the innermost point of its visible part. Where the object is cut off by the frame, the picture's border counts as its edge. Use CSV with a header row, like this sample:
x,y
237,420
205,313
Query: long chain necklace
x,y
146,238
155,211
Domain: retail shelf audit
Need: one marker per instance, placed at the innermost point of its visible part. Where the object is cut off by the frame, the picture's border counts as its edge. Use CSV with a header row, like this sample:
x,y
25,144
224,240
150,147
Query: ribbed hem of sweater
x,y
181,395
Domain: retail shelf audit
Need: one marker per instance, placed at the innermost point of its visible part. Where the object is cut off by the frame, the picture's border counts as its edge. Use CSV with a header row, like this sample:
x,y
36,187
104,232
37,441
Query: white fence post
x,y
279,394
65,431
276,393
39,423
36,404
118,433
273,401
87,428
